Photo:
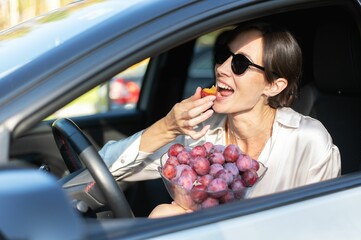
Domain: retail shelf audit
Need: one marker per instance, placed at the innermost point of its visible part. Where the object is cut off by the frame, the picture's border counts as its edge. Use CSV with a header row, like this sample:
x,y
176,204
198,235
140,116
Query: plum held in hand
x,y
208,174
208,91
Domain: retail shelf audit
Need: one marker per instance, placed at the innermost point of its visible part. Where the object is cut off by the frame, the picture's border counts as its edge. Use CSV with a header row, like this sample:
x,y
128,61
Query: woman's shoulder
x,y
306,126
289,117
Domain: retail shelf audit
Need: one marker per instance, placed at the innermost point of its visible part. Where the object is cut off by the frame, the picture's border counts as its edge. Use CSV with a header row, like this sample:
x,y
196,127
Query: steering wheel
x,y
74,145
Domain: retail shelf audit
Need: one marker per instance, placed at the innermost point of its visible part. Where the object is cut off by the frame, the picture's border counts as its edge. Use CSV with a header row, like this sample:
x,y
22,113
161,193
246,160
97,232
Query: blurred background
x,y
13,12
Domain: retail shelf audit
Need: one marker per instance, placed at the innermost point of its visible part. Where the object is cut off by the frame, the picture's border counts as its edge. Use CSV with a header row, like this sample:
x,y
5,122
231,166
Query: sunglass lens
x,y
240,63
221,55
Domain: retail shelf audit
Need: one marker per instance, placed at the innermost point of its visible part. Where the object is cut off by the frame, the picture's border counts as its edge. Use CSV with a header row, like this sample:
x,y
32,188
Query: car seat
x,y
334,95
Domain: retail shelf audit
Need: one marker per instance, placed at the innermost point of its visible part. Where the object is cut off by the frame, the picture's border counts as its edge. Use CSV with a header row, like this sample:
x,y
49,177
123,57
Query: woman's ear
x,y
276,87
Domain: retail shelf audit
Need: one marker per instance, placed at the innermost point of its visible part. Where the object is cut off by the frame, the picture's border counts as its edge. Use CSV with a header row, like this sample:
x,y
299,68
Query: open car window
x,y
120,93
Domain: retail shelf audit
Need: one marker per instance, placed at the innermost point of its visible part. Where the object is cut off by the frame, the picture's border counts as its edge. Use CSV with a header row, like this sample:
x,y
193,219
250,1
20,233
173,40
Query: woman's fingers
x,y
196,95
194,121
196,110
186,115
192,113
191,109
197,134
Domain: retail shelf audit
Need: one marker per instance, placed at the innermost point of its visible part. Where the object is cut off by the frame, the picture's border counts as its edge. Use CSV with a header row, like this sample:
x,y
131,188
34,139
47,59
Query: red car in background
x,y
123,91
124,88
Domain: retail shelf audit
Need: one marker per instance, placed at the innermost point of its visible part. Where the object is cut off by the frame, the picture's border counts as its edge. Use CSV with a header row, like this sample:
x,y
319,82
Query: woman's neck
x,y
250,131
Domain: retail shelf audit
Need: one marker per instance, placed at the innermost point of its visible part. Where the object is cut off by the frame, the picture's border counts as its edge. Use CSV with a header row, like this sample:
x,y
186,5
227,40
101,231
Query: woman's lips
x,y
224,90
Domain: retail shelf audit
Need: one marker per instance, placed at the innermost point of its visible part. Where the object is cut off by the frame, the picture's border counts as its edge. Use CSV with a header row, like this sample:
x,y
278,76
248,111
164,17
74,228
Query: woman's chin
x,y
217,108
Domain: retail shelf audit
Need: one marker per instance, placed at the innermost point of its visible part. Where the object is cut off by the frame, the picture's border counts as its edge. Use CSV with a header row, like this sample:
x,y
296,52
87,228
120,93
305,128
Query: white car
x,y
54,185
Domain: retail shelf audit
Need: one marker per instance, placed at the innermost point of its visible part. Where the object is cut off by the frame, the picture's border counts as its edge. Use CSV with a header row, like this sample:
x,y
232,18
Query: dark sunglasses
x,y
240,63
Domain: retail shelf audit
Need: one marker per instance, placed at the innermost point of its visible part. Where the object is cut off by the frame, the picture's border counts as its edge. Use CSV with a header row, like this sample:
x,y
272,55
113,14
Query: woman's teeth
x,y
224,87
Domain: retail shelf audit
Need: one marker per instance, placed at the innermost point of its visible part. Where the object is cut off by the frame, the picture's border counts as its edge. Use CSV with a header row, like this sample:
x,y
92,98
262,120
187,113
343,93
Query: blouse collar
x,y
288,117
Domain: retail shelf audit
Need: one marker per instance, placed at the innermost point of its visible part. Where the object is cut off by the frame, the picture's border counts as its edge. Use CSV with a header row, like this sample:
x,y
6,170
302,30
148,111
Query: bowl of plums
x,y
208,175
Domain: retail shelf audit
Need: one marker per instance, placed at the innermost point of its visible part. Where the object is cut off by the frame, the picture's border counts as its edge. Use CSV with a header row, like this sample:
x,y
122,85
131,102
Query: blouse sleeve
x,y
122,157
126,162
327,163
329,167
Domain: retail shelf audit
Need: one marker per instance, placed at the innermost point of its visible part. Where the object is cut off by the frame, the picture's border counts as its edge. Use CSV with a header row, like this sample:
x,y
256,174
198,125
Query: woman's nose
x,y
224,68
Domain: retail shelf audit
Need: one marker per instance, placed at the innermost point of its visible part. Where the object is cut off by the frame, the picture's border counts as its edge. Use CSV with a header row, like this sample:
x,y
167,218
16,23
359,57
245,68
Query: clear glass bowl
x,y
195,199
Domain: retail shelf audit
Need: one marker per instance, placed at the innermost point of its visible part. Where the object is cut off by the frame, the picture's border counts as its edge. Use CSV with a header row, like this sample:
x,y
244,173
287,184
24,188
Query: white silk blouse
x,y
299,152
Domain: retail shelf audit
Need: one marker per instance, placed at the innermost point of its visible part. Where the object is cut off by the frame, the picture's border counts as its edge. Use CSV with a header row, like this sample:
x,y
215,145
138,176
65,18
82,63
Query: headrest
x,y
337,56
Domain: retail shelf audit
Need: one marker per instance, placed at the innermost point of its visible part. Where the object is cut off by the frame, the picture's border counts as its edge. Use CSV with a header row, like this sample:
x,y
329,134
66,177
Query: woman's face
x,y
241,93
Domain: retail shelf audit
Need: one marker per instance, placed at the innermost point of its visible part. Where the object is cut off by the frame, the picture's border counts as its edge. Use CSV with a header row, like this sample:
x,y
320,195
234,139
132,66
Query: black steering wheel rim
x,y
79,150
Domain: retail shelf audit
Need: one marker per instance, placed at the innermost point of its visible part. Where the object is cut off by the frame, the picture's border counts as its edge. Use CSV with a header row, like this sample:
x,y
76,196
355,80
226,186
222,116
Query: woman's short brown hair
x,y
282,57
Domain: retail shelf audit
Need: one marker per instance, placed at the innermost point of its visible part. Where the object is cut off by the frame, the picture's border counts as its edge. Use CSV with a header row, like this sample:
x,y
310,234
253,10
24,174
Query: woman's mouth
x,y
224,90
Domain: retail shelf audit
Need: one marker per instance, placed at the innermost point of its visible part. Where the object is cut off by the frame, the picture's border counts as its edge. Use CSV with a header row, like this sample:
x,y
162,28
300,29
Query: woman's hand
x,y
167,210
183,118
186,115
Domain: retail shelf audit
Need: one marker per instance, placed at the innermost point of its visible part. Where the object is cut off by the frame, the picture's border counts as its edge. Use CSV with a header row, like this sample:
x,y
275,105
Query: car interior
x,y
333,94
330,91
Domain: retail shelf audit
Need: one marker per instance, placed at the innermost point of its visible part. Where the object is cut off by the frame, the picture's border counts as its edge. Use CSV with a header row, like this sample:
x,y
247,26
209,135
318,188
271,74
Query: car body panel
x,y
36,194
309,219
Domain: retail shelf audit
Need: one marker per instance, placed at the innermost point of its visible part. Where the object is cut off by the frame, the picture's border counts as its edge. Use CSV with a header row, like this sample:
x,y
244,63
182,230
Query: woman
x,y
257,76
